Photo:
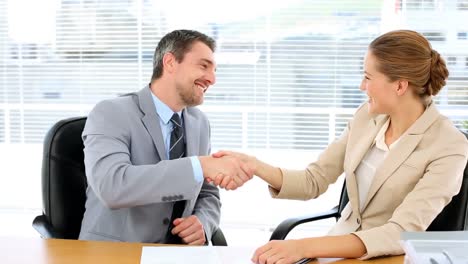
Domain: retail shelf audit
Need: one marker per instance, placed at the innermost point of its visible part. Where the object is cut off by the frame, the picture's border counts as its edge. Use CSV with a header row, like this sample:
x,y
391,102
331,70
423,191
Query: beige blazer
x,y
417,179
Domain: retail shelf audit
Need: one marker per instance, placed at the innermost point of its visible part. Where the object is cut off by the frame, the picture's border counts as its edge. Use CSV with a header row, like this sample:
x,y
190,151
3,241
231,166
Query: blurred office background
x,y
287,82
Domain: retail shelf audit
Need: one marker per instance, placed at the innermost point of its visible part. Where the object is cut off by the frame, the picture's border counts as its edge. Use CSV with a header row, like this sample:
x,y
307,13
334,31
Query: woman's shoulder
x,y
362,116
445,132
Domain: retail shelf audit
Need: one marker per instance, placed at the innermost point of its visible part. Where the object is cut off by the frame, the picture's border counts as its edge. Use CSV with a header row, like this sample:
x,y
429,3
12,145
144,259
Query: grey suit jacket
x,y
132,186
410,188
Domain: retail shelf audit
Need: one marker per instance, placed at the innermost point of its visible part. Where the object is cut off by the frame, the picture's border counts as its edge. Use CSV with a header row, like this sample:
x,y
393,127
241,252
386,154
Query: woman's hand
x,y
280,252
249,161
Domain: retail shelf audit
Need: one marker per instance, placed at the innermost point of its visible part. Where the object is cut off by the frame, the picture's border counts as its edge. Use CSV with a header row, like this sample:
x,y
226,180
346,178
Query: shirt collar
x,y
165,113
380,138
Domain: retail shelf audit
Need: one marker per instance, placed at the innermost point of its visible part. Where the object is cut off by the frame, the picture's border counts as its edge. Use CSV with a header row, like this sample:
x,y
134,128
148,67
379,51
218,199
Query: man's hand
x,y
228,172
249,162
190,230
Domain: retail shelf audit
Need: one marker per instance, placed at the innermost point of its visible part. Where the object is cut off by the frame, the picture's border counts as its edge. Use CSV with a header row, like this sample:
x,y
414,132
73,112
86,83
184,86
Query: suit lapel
x,y
365,140
394,159
192,133
402,150
151,120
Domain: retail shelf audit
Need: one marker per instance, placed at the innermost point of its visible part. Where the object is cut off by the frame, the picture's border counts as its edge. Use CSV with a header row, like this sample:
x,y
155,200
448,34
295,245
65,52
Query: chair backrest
x,y
454,217
63,177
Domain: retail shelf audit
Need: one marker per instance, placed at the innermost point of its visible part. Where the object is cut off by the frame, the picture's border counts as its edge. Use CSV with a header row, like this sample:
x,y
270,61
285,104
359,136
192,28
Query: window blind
x,y
288,71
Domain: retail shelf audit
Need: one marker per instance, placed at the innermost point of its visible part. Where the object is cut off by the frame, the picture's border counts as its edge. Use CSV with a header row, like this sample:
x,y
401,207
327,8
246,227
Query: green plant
x,y
465,125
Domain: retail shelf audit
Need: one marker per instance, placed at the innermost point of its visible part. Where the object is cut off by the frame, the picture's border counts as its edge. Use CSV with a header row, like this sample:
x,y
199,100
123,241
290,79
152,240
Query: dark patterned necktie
x,y
176,151
177,148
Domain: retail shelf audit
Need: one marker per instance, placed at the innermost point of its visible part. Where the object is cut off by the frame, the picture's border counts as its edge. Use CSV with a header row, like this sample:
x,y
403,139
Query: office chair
x,y
453,217
64,183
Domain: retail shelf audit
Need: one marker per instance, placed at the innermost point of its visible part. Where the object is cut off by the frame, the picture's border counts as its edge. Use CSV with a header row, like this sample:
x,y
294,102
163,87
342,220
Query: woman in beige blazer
x,y
403,161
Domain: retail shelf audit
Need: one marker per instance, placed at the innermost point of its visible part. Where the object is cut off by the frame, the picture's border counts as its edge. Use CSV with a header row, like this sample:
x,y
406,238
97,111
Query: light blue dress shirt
x,y
165,113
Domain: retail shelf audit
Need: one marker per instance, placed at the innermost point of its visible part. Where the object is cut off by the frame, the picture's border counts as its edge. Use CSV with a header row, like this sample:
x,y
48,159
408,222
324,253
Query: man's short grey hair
x,y
177,42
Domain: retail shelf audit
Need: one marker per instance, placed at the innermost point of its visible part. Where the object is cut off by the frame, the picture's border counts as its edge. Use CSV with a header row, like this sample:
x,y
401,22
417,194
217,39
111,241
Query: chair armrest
x,y
283,229
218,239
44,228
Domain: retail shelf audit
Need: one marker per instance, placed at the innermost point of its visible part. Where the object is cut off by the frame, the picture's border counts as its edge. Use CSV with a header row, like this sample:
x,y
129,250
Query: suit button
x,y
358,221
166,221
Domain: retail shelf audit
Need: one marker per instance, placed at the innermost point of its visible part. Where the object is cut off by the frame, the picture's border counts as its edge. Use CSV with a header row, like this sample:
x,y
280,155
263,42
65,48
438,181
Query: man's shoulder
x,y
116,112
115,104
196,112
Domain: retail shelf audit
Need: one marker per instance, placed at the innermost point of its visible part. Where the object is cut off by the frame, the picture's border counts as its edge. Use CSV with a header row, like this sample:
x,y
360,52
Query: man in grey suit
x,y
134,185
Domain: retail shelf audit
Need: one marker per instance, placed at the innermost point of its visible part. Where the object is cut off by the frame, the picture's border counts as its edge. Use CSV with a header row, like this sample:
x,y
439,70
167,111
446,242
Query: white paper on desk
x,y
435,247
196,255
440,251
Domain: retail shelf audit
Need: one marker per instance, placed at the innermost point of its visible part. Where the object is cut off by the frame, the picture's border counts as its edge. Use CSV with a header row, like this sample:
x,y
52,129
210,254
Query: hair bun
x,y
438,74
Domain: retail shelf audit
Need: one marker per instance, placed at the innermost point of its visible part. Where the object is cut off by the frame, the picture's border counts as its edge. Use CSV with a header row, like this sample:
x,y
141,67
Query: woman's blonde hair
x,y
408,55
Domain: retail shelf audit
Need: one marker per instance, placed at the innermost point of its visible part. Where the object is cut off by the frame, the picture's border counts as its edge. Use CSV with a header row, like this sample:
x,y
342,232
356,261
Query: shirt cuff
x,y
197,169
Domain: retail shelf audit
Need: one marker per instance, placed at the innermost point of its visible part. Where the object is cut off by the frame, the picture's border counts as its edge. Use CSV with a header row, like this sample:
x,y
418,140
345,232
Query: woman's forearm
x,y
272,175
345,246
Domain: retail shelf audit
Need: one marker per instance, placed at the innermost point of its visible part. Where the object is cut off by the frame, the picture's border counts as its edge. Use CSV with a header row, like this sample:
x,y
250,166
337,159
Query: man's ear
x,y
169,62
402,87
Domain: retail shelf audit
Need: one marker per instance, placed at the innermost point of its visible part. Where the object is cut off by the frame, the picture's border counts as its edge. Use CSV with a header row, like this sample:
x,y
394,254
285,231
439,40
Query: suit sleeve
x,y
315,179
109,169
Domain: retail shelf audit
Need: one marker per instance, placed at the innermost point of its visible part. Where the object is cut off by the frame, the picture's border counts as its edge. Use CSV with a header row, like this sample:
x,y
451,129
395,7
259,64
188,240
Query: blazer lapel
x,y
192,133
365,140
357,153
402,150
151,120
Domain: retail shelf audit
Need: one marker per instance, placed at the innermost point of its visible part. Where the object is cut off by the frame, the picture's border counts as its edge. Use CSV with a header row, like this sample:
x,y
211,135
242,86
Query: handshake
x,y
227,169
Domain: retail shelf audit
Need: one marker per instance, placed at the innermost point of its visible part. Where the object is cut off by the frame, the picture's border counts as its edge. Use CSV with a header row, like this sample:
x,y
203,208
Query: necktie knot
x,y
175,119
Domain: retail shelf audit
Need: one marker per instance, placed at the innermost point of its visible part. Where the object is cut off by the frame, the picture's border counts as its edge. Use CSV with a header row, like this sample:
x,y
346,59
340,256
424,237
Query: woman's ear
x,y
402,87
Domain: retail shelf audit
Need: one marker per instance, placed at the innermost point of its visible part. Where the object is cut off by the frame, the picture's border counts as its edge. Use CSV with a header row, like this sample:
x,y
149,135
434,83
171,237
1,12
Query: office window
x,y
462,5
434,36
462,35
452,60
420,4
287,81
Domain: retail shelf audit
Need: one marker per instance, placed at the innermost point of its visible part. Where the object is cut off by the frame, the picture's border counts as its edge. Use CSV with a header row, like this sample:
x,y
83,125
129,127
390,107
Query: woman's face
x,y
380,90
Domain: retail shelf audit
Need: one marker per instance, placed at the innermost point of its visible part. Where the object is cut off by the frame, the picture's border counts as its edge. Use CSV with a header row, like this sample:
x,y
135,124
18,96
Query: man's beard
x,y
188,96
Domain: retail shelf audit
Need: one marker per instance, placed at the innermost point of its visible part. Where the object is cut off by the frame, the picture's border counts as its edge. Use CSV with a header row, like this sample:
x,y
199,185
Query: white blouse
x,y
374,157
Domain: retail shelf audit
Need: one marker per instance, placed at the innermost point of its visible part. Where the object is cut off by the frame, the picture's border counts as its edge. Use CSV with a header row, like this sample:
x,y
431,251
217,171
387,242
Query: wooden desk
x,y
39,251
